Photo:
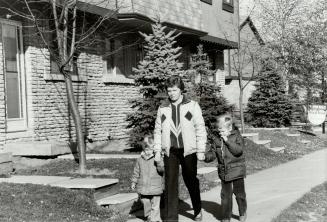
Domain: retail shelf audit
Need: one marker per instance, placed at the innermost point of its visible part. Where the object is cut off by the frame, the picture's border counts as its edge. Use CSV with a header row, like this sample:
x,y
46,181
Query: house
x,y
34,114
251,45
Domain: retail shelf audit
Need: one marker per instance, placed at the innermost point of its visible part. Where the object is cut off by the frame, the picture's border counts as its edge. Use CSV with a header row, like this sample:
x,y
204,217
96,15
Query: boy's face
x,y
148,145
222,125
148,151
174,93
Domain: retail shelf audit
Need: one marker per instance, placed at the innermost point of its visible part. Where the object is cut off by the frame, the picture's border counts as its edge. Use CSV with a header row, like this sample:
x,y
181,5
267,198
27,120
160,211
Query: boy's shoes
x,y
198,217
243,218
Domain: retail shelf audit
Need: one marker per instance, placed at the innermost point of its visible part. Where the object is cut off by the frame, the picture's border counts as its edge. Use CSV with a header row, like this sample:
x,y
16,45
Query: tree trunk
x,y
78,123
241,108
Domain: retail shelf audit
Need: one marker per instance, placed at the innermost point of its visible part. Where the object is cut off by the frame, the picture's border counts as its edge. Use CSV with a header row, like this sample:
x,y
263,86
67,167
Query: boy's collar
x,y
145,156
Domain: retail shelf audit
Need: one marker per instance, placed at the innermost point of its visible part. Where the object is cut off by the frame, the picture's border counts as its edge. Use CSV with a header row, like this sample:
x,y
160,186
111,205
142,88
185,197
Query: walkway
x,y
268,191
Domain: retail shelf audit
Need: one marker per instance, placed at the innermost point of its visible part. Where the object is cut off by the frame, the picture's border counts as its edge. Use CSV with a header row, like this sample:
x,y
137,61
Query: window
x,y
121,57
207,1
14,75
228,5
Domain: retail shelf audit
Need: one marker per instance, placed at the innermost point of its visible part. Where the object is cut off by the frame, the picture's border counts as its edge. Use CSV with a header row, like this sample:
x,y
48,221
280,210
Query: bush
x,y
269,106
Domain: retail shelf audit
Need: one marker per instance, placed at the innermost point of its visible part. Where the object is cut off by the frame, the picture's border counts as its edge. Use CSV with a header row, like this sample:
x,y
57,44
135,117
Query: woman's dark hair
x,y
175,81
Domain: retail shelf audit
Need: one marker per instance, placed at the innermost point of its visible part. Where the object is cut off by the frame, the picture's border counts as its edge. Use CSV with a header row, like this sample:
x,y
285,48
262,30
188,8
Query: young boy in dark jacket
x,y
227,146
148,180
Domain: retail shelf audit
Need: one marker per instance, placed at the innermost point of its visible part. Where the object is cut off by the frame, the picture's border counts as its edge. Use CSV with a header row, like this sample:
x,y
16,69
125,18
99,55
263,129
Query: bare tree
x,y
65,27
245,60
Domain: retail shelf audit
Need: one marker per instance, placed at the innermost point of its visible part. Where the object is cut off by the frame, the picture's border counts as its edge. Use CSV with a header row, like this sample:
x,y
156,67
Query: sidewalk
x,y
268,191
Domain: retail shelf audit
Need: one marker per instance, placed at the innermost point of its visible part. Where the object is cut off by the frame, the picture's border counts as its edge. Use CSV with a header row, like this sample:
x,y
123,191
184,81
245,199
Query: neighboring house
x,y
33,108
250,46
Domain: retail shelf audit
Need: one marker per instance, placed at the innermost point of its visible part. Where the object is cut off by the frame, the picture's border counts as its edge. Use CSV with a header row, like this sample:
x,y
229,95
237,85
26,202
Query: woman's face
x,y
174,93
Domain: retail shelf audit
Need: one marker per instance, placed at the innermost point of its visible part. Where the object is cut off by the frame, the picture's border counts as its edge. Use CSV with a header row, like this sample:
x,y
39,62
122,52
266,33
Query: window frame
x,y
112,76
21,123
228,6
207,1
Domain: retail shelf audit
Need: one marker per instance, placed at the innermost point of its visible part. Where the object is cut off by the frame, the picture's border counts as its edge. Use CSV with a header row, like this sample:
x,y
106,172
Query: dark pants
x,y
189,172
227,190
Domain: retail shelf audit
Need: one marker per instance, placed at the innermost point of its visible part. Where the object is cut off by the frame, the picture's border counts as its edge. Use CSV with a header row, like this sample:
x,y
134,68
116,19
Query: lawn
x,y
311,207
258,158
29,202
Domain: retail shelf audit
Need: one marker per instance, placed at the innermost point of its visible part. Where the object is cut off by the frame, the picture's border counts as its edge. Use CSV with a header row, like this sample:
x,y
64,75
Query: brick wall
x,y
103,106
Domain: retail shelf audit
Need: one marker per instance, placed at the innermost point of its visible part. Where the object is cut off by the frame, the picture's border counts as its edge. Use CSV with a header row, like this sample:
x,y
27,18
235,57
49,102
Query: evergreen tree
x,y
205,90
159,63
269,106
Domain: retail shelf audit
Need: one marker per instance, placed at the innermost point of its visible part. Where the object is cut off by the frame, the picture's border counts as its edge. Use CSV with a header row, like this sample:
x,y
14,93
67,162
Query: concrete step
x,y
278,149
265,143
122,202
91,156
251,136
209,173
293,134
6,164
50,148
40,180
101,187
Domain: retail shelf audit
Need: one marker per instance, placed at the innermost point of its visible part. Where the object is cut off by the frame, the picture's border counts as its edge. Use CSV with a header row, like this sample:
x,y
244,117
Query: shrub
x,y
269,106
160,62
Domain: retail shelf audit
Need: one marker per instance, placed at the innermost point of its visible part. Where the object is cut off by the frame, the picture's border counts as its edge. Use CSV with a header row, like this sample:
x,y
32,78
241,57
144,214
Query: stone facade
x,y
103,105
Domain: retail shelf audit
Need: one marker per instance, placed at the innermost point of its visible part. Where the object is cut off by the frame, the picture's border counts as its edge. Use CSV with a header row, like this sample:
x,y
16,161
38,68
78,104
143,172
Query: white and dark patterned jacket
x,y
192,126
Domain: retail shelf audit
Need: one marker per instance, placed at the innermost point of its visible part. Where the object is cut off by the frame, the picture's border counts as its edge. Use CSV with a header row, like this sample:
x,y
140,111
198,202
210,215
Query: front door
x,y
13,56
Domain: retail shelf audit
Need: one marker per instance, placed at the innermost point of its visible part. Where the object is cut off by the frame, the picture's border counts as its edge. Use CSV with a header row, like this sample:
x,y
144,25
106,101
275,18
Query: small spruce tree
x,y
206,91
159,63
269,106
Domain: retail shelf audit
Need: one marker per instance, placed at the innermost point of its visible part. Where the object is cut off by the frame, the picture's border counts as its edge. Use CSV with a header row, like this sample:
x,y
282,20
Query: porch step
x,y
101,187
265,143
6,164
209,173
37,148
251,136
278,149
122,202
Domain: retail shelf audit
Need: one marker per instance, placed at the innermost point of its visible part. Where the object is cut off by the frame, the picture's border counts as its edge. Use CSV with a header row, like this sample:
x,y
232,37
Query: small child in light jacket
x,y
148,180
228,146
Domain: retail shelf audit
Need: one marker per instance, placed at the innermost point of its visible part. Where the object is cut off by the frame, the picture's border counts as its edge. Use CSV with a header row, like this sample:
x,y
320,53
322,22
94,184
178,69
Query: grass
x,y
106,168
258,158
29,202
311,207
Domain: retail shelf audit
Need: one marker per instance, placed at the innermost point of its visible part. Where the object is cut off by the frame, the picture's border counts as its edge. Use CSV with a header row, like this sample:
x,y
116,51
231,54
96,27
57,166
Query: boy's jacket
x,y
148,180
230,156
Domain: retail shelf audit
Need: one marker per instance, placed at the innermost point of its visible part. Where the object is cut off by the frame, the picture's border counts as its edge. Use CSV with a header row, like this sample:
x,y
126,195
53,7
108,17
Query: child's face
x,y
148,151
223,125
148,145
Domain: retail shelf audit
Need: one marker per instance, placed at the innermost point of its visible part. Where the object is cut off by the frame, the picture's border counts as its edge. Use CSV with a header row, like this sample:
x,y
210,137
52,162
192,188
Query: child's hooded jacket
x,y
230,155
146,176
